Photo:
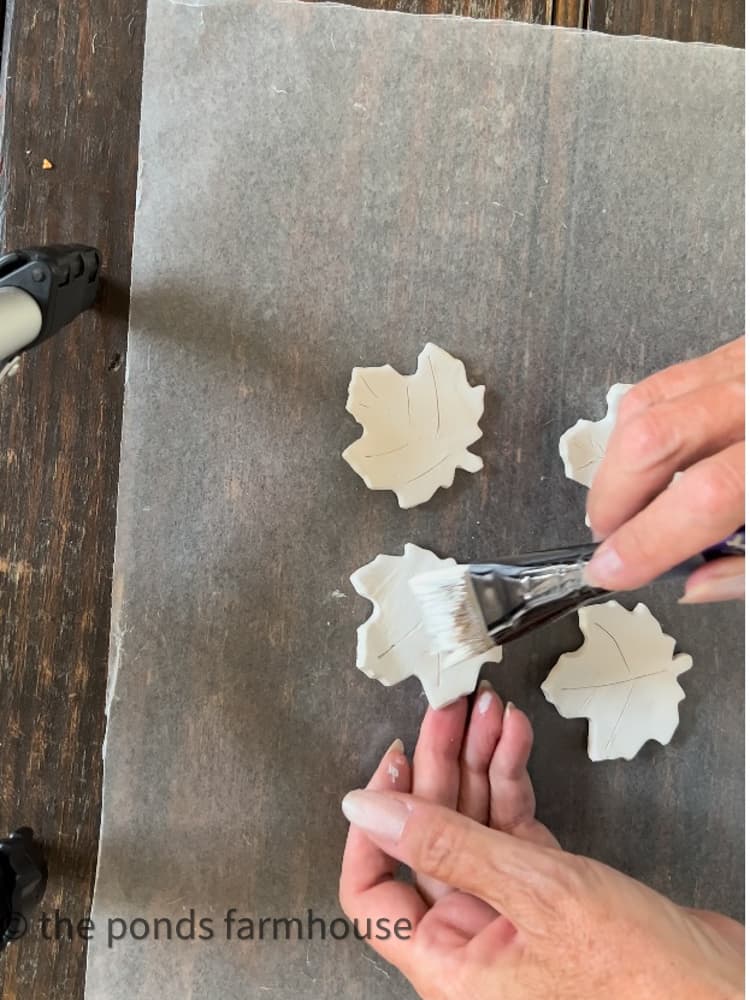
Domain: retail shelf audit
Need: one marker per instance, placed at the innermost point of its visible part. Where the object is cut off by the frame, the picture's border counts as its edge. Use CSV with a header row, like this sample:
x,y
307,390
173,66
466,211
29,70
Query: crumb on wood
x,y
47,164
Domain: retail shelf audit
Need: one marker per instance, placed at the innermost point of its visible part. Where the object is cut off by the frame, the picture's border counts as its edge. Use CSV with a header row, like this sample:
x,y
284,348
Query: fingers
x,y
720,580
732,931
495,784
364,864
512,794
453,921
698,510
437,773
436,776
655,442
482,735
724,363
522,880
367,889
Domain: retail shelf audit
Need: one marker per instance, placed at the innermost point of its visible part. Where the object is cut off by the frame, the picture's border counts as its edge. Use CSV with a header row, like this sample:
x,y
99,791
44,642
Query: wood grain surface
x,y
71,91
570,13
532,11
71,95
721,22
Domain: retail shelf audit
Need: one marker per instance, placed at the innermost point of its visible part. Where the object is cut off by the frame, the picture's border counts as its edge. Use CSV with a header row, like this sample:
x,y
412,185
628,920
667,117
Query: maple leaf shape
x,y
623,679
583,445
417,428
393,644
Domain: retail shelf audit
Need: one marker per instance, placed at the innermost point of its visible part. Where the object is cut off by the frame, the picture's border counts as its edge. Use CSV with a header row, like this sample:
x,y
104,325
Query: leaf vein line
x,y
427,471
391,451
437,397
609,684
617,646
398,641
619,718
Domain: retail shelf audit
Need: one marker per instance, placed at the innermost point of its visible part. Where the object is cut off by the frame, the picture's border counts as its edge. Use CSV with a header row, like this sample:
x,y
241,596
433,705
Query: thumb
x,y
719,580
523,881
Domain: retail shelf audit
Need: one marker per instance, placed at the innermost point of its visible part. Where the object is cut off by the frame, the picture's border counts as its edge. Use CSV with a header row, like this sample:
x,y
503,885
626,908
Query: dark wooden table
x,y
71,93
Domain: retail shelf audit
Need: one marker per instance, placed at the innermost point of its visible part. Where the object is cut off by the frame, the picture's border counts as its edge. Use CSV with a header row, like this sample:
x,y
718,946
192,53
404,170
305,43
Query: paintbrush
x,y
469,609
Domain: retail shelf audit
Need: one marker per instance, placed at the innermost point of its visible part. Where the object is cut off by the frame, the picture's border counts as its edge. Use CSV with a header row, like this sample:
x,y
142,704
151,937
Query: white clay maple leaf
x,y
623,679
417,428
583,445
392,644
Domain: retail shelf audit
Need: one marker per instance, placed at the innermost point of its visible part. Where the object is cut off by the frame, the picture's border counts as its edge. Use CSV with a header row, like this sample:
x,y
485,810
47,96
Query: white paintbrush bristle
x,y
451,614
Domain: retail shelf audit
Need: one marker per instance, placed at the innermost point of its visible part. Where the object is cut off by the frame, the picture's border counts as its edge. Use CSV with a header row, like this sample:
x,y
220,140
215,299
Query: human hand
x,y
499,911
689,418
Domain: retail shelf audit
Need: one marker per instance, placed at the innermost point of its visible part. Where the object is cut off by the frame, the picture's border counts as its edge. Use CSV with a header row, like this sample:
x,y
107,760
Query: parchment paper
x,y
323,187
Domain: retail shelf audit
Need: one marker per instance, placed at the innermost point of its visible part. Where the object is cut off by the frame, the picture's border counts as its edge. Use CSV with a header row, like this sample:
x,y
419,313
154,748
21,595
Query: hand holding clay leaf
x,y
623,679
417,428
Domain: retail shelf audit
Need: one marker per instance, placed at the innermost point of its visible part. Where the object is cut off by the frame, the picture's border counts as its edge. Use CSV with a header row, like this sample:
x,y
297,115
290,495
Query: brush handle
x,y
521,593
734,545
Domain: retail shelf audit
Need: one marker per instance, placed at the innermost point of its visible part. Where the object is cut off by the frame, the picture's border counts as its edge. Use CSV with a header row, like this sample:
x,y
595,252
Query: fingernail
x,y
485,698
604,568
376,813
510,707
720,588
396,747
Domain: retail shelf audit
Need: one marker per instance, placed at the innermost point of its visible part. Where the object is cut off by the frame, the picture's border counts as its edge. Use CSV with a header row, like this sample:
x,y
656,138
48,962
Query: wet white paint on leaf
x,y
392,644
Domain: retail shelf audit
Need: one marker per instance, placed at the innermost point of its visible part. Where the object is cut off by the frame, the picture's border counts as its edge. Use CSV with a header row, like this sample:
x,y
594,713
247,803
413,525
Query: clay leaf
x,y
583,445
393,644
623,679
417,428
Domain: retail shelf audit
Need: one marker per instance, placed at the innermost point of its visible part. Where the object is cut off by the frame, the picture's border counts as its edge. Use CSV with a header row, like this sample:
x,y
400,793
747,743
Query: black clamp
x,y
23,879
64,280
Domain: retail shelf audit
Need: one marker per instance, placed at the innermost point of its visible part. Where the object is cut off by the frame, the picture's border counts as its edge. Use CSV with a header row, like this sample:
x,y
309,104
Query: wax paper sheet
x,y
323,187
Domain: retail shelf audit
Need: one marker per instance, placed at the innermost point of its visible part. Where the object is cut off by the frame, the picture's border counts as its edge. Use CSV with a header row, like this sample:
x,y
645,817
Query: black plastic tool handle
x,y
23,879
63,280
